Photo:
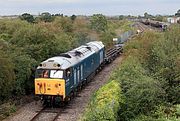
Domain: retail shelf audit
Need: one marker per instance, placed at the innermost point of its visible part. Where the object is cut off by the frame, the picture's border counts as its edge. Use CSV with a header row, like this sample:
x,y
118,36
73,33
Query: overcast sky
x,y
89,7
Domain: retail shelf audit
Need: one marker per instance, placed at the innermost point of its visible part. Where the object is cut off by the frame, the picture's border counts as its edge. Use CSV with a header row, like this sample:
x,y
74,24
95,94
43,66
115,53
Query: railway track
x,y
142,27
42,114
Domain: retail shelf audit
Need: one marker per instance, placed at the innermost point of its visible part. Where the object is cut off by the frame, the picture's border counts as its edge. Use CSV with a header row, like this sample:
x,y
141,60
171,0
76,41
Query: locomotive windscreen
x,y
46,73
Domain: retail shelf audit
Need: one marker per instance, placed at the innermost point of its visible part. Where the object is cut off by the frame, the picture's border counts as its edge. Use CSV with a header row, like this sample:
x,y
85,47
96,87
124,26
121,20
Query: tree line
x,y
46,17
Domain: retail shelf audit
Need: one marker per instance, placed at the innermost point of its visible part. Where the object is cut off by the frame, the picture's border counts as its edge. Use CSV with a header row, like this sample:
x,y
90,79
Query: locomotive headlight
x,y
57,93
44,65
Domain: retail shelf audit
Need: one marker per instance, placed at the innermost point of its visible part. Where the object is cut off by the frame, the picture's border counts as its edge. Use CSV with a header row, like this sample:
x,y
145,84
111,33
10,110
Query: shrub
x,y
149,75
142,93
6,109
7,76
104,104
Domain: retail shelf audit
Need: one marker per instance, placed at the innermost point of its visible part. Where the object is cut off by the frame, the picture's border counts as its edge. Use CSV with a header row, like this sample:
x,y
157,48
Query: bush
x,y
104,104
7,76
6,110
23,71
149,75
163,113
98,22
39,42
142,93
106,38
163,62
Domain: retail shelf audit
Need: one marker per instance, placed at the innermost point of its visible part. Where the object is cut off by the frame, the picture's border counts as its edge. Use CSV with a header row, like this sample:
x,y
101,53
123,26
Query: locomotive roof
x,y
70,58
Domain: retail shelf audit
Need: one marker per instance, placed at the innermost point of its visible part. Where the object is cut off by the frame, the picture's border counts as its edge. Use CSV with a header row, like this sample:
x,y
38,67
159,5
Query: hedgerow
x,y
148,78
105,103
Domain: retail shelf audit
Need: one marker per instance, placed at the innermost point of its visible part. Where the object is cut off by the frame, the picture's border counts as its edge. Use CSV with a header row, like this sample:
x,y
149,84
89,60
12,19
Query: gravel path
x,y
26,112
76,107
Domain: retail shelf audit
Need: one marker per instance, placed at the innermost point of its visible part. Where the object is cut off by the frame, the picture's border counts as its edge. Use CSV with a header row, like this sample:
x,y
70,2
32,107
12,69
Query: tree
x,y
98,22
146,15
28,17
178,13
73,17
46,17
7,76
139,17
159,18
65,23
106,38
121,17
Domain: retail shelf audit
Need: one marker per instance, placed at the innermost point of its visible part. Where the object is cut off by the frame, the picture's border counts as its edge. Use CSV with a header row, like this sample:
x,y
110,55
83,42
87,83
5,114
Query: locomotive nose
x,y
50,87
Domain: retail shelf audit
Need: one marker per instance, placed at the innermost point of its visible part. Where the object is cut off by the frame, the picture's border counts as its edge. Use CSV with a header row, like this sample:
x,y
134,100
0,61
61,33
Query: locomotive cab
x,y
50,82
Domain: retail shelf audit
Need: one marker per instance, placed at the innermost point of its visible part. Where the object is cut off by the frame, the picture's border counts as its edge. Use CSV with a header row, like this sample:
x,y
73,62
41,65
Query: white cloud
x,y
45,1
88,6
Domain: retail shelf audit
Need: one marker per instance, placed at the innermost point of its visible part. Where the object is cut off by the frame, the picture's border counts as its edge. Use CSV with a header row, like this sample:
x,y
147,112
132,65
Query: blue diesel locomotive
x,y
58,78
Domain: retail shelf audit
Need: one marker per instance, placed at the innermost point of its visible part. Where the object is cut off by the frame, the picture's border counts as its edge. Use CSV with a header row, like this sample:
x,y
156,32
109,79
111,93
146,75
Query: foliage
x,y
121,17
35,37
159,18
28,17
46,17
142,93
23,72
106,37
65,44
98,22
104,104
178,13
162,114
149,76
119,26
73,17
8,27
65,23
6,109
163,62
7,76
146,15
81,38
